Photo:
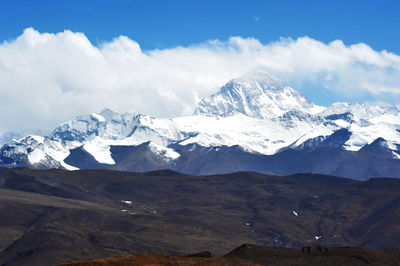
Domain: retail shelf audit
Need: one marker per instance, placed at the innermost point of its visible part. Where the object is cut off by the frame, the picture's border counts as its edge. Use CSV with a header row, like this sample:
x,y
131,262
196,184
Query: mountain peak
x,y
257,94
259,78
108,114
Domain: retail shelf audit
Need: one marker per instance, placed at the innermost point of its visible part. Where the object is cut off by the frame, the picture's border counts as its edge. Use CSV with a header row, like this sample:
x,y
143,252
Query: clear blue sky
x,y
162,24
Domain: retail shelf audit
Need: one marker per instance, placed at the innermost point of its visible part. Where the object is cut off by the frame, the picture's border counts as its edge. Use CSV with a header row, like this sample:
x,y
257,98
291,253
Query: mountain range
x,y
253,123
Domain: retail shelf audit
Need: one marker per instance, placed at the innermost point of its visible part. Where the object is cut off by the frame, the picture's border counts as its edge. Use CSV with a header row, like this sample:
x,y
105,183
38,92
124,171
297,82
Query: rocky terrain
x,y
53,216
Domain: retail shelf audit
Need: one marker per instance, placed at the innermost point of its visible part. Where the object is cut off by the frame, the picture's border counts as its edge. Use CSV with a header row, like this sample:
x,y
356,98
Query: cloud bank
x,y
47,78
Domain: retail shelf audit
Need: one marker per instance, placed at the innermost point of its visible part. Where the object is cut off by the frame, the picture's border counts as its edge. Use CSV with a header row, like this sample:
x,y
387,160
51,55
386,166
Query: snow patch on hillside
x,y
167,153
99,150
36,156
98,117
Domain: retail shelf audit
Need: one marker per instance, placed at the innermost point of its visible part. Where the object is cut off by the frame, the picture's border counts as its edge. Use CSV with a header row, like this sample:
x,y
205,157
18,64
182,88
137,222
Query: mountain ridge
x,y
257,112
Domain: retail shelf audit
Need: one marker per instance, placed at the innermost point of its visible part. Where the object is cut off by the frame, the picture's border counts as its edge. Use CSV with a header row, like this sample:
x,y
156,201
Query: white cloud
x,y
48,78
376,88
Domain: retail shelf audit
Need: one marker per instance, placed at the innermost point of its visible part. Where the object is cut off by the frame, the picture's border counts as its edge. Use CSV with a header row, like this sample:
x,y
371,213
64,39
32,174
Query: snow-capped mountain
x,y
256,95
128,128
256,118
366,122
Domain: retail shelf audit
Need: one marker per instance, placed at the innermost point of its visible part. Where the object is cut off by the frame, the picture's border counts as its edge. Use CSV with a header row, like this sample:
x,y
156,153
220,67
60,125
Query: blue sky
x,y
161,57
161,24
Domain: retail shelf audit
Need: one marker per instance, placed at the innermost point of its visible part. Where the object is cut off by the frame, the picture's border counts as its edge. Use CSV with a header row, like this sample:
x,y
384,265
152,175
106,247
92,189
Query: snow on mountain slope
x,y
99,150
373,112
113,126
366,122
253,134
383,148
35,151
167,153
36,156
256,95
367,134
97,132
257,112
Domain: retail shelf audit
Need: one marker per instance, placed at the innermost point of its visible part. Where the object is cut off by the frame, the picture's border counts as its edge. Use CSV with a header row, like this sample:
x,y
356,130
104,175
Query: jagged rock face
x,y
249,116
258,95
113,126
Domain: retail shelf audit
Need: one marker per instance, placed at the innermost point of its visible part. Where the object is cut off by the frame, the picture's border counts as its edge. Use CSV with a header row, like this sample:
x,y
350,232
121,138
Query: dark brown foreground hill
x,y
260,255
315,255
149,259
53,216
